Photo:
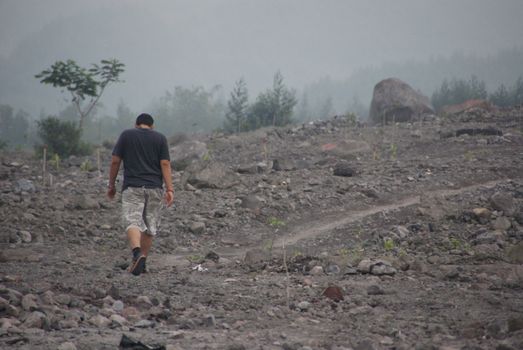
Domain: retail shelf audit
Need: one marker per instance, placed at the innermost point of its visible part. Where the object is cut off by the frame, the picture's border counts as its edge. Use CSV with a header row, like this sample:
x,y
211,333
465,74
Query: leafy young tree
x,y
236,115
273,107
81,83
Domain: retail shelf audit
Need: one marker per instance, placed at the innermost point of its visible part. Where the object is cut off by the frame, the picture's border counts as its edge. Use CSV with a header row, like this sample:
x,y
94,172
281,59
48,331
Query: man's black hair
x,y
145,119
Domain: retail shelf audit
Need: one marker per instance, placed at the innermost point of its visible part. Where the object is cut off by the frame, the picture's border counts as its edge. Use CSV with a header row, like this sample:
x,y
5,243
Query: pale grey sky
x,y
166,43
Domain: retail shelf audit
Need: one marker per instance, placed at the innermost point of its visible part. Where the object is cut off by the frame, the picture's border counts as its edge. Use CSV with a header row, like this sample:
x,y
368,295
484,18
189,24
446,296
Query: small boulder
x,y
197,228
343,169
501,223
67,346
36,319
503,202
334,293
316,270
24,185
30,302
99,321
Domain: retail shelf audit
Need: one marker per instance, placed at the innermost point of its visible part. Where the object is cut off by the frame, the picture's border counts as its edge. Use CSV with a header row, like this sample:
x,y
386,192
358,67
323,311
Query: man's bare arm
x,y
167,179
113,173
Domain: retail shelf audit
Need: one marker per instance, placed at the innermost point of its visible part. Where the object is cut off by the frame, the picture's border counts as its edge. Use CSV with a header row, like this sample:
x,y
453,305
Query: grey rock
x,y
303,305
186,153
487,238
252,202
255,256
501,223
118,306
145,324
24,185
343,169
144,301
365,345
67,324
210,175
67,346
284,165
395,101
118,320
332,269
209,321
316,270
374,289
30,302
3,303
15,238
197,228
401,231
25,236
63,299
14,296
503,202
85,202
99,321
380,270
364,266
515,253
36,319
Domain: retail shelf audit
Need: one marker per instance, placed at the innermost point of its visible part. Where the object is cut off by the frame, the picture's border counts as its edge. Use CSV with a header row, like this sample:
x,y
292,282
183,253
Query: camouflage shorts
x,y
142,208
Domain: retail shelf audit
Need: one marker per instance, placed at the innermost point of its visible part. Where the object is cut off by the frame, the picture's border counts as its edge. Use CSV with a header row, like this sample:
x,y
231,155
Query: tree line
x,y
196,109
457,91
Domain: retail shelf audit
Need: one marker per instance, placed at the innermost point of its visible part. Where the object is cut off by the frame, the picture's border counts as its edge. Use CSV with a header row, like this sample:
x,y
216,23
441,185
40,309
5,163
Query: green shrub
x,y
61,137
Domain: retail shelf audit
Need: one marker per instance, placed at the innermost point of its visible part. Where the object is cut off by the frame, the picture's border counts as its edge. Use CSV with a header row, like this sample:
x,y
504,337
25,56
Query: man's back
x,y
141,150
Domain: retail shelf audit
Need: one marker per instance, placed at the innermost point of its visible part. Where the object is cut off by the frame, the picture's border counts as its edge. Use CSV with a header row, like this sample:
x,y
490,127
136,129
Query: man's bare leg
x,y
133,236
146,242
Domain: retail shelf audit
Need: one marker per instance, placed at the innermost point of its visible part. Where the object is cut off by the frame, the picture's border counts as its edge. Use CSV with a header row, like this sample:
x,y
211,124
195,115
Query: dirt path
x,y
310,229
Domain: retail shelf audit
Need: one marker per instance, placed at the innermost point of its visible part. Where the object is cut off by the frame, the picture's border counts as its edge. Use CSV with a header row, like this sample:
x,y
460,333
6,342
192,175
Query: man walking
x,y
147,165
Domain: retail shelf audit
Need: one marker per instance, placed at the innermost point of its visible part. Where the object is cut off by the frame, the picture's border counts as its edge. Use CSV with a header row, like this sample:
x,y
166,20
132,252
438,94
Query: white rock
x,y
316,270
99,321
25,236
118,305
67,346
118,319
29,302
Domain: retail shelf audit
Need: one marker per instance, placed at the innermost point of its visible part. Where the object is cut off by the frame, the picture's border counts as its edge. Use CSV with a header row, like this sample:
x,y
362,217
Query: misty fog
x,y
331,53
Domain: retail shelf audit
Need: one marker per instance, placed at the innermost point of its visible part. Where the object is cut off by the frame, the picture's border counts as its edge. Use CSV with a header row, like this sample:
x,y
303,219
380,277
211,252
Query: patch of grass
x,y
55,161
275,222
195,258
393,150
86,165
388,244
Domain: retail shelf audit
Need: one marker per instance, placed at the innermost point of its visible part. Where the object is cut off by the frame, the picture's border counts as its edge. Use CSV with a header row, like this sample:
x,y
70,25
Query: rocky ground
x,y
328,235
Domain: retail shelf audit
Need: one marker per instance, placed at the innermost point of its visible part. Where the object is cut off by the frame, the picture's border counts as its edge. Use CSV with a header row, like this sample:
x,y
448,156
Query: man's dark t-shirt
x,y
141,151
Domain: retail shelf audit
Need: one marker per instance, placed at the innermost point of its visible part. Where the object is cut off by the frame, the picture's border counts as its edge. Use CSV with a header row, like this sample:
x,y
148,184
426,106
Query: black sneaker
x,y
138,265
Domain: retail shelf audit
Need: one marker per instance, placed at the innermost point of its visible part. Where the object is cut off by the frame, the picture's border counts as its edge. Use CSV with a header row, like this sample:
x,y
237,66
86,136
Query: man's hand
x,y
169,198
111,191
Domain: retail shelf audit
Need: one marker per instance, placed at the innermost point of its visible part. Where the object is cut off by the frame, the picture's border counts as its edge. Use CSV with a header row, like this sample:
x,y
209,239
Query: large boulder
x,y
209,174
395,100
187,152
